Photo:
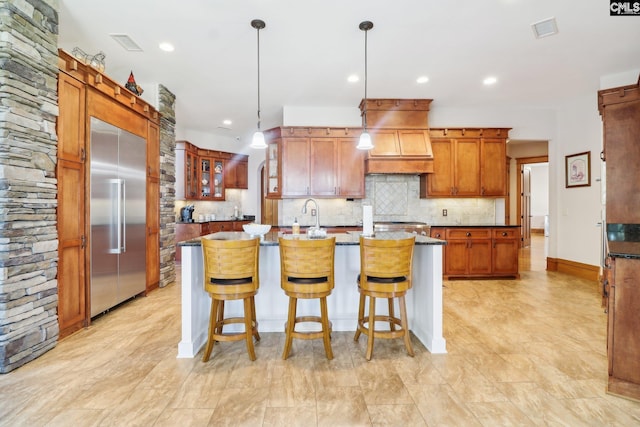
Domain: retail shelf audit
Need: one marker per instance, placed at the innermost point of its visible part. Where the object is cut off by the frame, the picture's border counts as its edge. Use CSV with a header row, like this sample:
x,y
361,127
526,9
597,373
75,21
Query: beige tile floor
x,y
521,352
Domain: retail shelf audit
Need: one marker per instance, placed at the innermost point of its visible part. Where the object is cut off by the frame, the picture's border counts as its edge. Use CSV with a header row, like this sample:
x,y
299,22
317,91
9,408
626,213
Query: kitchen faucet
x,y
304,211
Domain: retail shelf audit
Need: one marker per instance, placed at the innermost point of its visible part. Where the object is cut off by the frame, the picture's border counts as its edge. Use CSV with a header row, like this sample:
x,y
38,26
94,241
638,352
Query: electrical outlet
x,y
444,212
313,212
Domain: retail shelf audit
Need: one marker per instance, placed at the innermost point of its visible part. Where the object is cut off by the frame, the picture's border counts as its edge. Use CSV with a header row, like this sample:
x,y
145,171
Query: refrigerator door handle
x,y
115,228
124,217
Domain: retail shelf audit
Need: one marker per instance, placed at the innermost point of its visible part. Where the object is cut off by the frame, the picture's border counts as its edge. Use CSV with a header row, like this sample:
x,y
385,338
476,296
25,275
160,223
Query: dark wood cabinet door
x,y
494,167
506,244
72,239
153,150
467,167
480,257
295,167
621,130
456,258
153,233
323,167
440,182
350,169
72,301
625,343
71,120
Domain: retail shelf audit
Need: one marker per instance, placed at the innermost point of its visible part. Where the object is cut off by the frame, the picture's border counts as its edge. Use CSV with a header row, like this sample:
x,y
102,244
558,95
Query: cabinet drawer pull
x,y
504,234
468,234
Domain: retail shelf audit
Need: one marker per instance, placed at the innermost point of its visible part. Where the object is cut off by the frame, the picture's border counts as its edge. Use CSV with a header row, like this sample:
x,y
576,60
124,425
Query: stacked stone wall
x,y
28,186
167,185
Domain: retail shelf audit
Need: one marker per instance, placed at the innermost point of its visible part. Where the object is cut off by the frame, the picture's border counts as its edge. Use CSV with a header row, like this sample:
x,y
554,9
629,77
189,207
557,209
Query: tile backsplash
x,y
396,198
393,197
222,210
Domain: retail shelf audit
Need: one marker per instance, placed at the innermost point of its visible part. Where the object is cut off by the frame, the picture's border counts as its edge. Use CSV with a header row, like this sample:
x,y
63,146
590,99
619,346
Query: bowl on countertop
x,y
256,229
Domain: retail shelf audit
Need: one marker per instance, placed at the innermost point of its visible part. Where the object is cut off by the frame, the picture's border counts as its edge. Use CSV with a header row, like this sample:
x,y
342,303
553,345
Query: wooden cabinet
x,y
493,170
337,168
188,231
323,171
479,251
84,92
456,167
153,207
350,168
314,162
467,163
623,323
205,174
153,234
468,252
186,171
506,243
295,167
72,301
237,173
273,166
210,176
620,110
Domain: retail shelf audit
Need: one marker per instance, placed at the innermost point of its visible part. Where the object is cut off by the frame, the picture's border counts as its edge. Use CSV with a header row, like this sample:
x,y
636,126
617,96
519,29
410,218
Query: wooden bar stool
x,y
307,271
231,273
385,272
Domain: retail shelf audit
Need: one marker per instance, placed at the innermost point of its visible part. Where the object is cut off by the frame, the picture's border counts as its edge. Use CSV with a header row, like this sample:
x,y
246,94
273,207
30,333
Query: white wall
x,y
575,212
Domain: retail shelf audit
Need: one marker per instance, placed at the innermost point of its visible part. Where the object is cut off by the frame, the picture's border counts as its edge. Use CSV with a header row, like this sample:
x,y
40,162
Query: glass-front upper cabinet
x,y
273,170
211,180
191,175
218,179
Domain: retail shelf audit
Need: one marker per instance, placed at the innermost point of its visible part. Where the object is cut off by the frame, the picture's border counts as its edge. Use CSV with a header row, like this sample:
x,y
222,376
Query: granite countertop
x,y
195,221
351,238
623,240
474,226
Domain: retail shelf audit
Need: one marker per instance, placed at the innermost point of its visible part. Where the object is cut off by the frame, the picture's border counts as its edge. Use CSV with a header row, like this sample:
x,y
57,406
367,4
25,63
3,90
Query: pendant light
x,y
258,137
364,143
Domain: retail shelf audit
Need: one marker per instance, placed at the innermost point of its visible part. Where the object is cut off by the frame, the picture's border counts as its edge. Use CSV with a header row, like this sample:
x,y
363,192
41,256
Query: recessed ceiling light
x,y
353,78
422,79
489,81
544,28
166,46
126,42
227,122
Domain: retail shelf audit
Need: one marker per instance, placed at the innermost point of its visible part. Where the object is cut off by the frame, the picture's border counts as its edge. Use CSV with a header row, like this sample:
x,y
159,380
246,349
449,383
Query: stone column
x,y
28,186
167,185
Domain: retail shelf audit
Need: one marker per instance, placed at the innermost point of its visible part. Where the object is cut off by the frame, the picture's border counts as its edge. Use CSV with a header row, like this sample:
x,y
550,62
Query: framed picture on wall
x,y
578,170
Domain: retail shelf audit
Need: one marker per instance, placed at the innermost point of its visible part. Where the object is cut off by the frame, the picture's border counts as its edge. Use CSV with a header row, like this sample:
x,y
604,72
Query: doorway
x,y
524,204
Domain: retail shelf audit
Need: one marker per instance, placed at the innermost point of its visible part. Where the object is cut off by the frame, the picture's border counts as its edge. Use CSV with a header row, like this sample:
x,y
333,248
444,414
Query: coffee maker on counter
x,y
186,213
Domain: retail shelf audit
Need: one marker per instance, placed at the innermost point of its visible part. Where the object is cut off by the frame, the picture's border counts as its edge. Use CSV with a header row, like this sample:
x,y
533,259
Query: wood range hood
x,y
400,133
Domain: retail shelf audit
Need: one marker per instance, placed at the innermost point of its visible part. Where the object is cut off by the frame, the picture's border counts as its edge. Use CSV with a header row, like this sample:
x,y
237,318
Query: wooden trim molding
x,y
573,268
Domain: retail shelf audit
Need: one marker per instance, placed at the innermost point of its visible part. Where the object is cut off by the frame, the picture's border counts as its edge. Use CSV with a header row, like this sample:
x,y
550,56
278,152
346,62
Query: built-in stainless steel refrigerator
x,y
118,215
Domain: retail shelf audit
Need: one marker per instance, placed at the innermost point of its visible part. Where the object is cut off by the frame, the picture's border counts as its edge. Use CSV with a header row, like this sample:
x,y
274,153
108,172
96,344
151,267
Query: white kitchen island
x,y
424,300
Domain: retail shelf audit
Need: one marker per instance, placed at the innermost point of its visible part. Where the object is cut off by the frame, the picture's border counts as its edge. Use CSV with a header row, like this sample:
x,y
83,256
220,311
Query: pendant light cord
x,y
365,79
258,78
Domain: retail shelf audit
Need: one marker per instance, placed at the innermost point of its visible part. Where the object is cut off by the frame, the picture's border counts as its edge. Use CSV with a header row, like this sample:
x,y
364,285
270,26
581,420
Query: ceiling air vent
x,y
126,42
544,28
